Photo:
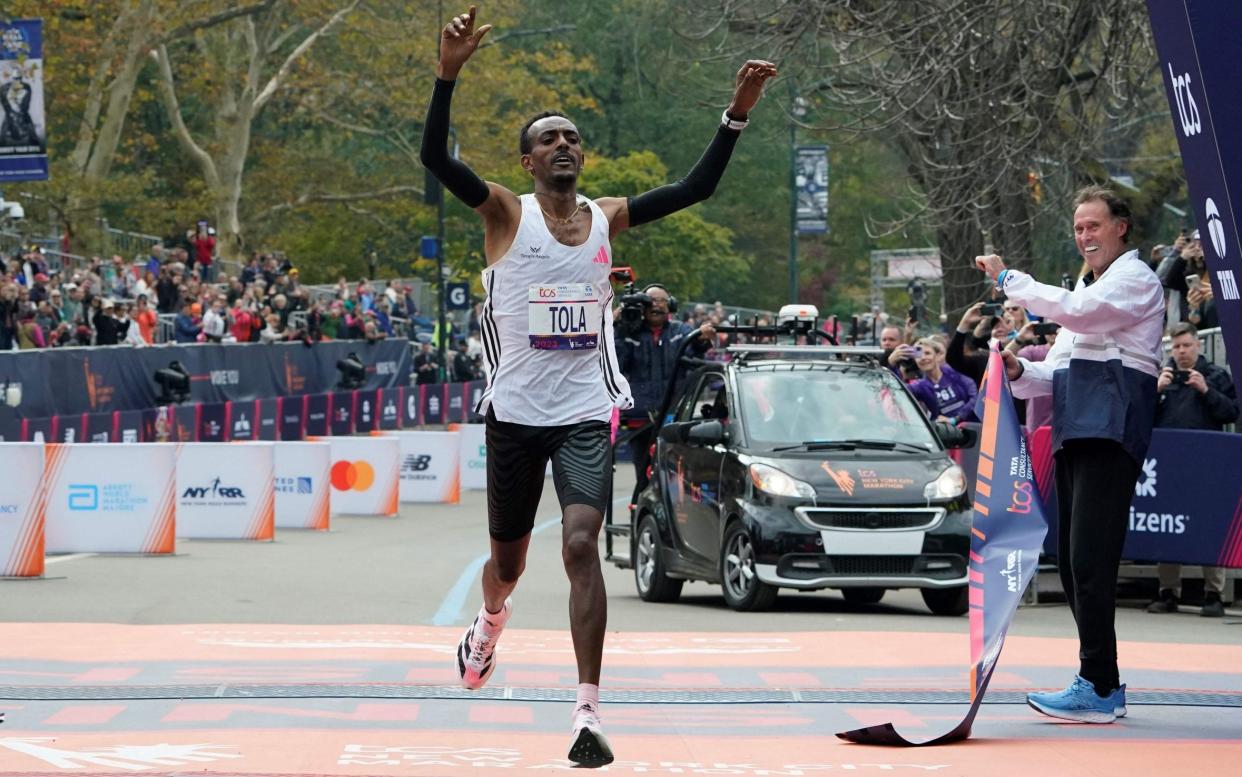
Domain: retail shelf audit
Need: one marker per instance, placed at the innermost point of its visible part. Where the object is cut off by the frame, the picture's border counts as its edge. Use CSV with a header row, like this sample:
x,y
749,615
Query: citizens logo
x,y
1146,486
352,475
213,493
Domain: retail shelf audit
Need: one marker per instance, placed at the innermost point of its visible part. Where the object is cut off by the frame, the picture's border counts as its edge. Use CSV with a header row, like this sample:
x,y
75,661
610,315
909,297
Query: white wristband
x,y
733,124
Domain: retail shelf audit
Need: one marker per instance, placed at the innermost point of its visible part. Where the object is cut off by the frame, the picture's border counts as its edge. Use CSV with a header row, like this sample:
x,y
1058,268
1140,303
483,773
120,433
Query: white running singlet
x,y
547,327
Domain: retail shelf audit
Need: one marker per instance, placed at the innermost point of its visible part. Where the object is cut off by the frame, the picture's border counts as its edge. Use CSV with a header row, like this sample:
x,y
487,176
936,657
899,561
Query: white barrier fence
x,y
111,498
225,491
473,457
21,514
365,475
430,466
303,493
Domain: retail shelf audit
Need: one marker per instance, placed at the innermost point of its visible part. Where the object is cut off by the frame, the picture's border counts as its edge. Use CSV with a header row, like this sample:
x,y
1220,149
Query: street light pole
x,y
793,213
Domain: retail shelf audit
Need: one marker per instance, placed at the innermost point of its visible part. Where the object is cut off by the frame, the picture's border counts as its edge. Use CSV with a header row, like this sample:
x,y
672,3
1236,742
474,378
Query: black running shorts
x,y
517,457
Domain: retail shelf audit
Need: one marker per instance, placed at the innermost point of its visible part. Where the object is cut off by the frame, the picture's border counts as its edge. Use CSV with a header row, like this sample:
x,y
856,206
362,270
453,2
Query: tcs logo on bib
x,y
352,475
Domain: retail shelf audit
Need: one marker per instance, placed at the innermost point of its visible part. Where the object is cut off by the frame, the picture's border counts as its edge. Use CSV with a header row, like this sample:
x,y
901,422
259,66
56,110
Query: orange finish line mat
x,y
382,700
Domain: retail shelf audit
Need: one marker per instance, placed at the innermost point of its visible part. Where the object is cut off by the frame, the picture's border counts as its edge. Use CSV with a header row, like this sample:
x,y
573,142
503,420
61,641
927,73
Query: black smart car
x,y
801,467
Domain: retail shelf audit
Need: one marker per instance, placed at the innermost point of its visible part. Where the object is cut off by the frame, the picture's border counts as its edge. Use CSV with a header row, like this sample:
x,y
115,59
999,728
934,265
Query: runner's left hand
x,y
750,81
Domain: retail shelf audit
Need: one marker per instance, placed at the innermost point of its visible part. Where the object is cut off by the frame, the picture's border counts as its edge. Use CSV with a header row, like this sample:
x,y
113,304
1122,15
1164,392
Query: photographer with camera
x,y
1193,393
647,340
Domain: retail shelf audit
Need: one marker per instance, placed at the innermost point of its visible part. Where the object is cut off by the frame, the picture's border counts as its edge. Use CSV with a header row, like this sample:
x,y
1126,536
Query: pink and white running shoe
x,y
476,653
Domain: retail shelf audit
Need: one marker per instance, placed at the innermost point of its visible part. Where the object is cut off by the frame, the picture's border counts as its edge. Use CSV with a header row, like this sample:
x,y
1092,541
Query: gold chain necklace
x,y
558,219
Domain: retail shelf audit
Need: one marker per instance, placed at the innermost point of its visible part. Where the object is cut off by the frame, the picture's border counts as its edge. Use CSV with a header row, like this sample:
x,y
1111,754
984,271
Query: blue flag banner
x,y
23,125
1007,533
1200,56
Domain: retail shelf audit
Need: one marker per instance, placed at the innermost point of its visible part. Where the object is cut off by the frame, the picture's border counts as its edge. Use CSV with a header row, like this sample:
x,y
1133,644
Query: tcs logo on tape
x,y
352,475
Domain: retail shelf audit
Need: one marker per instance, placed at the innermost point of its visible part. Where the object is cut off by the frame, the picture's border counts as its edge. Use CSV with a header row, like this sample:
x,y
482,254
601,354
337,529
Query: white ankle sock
x,y
588,693
495,620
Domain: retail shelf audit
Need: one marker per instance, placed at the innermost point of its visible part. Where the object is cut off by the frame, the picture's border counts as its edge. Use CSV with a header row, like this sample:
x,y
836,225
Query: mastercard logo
x,y
352,475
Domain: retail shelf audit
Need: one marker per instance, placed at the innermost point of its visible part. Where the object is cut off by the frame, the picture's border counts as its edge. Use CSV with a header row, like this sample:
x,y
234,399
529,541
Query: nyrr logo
x,y
1012,571
213,491
1147,485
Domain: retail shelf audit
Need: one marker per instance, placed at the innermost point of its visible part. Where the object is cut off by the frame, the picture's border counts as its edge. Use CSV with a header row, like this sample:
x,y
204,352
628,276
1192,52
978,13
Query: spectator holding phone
x,y
954,393
1193,394
1200,302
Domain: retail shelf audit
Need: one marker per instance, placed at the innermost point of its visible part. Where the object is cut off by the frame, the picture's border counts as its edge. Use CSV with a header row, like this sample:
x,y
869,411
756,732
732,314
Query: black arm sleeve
x,y
455,175
697,186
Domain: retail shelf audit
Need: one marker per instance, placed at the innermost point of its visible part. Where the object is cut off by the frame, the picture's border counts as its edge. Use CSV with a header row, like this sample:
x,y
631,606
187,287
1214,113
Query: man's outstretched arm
x,y
458,41
701,181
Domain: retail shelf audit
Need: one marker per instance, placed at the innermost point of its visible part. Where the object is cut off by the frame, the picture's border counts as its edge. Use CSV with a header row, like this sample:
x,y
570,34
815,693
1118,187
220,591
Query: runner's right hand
x,y
458,40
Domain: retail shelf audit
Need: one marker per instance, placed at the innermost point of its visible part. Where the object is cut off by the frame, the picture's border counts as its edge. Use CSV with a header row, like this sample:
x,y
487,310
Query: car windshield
x,y
786,405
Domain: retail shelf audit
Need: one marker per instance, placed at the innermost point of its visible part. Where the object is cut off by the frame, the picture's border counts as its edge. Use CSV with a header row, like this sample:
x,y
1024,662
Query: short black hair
x,y
1118,207
524,144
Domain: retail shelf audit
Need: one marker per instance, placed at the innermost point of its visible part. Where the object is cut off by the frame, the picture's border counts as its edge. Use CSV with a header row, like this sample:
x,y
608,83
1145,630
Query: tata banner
x,y
23,125
811,185
1201,59
302,488
225,491
1007,530
429,466
1182,511
365,475
110,498
21,514
98,380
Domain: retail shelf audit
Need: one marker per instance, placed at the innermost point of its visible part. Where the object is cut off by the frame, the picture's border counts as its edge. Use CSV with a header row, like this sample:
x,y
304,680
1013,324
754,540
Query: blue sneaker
x,y
1118,698
1079,702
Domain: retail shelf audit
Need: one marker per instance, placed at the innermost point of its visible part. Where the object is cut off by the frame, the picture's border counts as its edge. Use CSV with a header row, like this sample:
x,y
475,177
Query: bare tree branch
x,y
168,94
283,71
323,197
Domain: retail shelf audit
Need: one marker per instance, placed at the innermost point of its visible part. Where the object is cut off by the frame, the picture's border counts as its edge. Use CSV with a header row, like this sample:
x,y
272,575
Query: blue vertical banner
x,y
23,119
1007,532
811,186
1200,55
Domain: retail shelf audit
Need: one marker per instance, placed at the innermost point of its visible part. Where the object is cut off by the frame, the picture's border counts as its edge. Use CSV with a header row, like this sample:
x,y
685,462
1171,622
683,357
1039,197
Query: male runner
x,y
547,333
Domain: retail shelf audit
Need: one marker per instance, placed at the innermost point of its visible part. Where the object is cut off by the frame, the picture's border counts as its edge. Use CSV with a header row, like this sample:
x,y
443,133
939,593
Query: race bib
x,y
563,317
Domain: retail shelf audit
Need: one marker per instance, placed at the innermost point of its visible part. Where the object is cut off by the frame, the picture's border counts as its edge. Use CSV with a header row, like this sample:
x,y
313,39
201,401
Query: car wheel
x,y
946,601
743,590
648,562
869,595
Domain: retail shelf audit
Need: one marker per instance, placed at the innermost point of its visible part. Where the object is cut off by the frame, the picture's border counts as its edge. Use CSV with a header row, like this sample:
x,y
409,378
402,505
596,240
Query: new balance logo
x,y
602,256
1228,284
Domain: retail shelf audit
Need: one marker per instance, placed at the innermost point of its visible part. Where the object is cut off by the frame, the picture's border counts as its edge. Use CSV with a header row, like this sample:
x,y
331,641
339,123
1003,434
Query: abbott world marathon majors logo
x,y
1154,522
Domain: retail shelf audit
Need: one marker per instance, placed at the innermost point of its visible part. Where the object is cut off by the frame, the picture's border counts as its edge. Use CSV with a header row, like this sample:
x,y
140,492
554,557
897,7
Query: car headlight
x,y
772,481
950,484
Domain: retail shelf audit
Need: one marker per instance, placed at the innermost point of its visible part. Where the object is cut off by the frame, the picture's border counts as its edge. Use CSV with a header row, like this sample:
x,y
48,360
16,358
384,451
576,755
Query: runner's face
x,y
556,150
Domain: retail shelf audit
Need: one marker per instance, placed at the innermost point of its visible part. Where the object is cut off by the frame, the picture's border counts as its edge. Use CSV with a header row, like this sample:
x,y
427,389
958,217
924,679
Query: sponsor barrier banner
x,y
23,125
129,427
99,427
317,415
224,491
99,380
365,475
303,492
211,423
69,428
431,403
10,424
269,418
473,392
110,498
292,418
473,457
411,407
389,409
242,417
1201,59
341,414
1006,534
21,511
185,423
364,411
1168,520
430,468
37,430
